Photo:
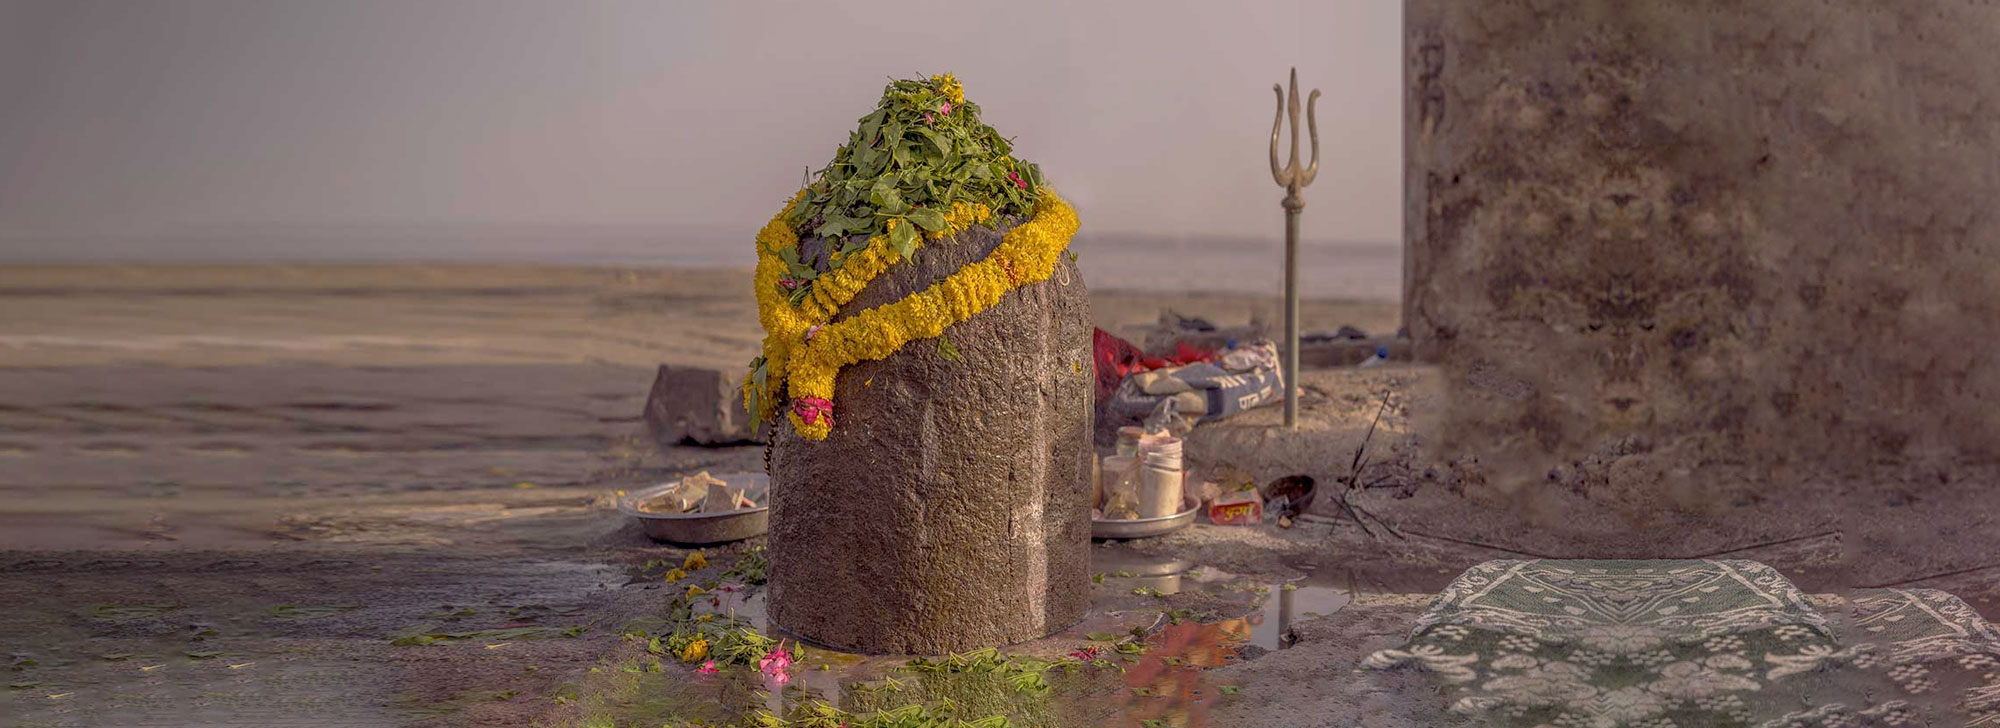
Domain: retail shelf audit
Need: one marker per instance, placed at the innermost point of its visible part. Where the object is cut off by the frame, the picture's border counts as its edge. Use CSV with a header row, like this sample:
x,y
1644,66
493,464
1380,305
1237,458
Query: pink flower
x,y
929,118
810,332
945,109
1085,655
773,665
788,283
708,668
1018,182
810,409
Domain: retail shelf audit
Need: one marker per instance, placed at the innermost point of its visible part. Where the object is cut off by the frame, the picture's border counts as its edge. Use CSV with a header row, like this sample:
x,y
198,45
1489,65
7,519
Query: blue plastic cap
x,y
1382,351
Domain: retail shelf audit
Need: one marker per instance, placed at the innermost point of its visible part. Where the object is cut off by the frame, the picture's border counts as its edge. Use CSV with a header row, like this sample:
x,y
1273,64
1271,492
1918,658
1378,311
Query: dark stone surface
x,y
949,509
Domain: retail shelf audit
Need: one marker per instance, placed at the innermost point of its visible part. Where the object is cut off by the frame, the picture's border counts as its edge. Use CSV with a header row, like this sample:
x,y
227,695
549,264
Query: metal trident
x,y
1290,176
1293,179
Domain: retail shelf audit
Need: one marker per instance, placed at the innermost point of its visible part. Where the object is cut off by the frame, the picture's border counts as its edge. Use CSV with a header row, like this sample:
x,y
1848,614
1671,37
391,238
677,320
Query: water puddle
x,y
1269,608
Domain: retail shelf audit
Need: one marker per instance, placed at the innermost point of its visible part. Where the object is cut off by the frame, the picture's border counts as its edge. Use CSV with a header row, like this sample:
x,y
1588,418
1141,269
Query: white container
x,y
1159,491
1161,451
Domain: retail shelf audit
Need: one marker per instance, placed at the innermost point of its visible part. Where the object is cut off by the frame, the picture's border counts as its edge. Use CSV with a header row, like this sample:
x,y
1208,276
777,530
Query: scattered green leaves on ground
x,y
821,714
1147,591
1024,674
1229,689
947,350
1101,637
203,654
725,639
976,661
750,568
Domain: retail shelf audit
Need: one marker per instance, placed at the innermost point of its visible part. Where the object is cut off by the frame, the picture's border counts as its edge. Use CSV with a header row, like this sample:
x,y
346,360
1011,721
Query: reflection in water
x,y
1169,683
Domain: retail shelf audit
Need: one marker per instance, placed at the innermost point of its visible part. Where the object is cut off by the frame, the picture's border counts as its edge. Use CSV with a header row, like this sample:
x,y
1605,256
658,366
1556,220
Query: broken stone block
x,y
698,405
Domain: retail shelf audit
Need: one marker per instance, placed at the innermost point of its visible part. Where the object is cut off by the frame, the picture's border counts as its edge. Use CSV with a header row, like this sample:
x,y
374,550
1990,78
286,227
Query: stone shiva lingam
x,y
927,357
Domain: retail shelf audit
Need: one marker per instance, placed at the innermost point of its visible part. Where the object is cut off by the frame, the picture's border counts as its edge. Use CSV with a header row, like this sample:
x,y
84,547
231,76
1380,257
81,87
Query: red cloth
x,y
1117,359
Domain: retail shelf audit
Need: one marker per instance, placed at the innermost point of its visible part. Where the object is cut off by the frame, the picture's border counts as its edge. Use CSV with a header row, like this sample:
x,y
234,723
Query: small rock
x,y
698,405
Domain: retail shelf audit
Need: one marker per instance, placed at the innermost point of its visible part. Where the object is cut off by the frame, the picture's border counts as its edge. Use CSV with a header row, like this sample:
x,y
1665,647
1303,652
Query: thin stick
x,y
1779,542
1360,451
1482,545
1913,580
1353,479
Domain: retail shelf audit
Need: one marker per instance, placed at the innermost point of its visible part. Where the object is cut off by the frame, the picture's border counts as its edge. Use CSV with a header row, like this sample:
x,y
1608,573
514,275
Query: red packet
x,y
1242,508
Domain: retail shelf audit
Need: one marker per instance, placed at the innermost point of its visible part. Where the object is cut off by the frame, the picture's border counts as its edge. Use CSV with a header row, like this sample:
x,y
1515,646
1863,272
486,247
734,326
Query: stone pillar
x,y
949,509
1690,234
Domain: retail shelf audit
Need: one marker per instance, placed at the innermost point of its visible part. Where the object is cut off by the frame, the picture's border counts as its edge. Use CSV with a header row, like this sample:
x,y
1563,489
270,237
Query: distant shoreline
x,y
1328,271
375,314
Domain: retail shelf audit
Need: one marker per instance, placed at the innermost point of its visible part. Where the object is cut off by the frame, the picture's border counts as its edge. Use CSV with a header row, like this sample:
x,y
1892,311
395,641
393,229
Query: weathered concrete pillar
x,y
1691,234
950,507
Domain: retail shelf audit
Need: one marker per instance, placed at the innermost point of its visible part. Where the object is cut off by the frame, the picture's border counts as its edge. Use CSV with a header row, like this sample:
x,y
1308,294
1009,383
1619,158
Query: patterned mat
x,y
1678,644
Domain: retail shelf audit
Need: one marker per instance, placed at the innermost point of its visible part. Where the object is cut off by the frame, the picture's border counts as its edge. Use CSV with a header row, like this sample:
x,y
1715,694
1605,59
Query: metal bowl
x,y
701,529
1145,527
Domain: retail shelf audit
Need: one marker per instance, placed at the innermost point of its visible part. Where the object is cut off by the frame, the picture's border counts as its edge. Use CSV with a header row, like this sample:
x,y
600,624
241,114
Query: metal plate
x,y
700,529
1146,527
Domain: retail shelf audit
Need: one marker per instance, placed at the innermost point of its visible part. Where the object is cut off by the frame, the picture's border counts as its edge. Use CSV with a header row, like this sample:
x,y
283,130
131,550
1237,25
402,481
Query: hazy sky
x,y
166,118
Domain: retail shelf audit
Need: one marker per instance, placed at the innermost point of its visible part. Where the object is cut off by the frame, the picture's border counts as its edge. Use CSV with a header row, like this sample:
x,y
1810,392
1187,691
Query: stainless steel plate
x,y
1145,527
700,529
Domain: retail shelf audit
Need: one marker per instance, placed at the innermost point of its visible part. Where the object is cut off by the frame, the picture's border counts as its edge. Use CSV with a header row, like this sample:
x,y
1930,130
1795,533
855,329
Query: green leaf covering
x,y
915,155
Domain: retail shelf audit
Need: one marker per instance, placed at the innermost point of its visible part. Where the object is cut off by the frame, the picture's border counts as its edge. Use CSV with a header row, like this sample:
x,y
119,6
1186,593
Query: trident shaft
x,y
1293,178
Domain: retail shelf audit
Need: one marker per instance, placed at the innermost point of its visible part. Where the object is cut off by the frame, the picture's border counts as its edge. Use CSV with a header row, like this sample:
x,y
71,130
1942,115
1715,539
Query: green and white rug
x,y
1660,644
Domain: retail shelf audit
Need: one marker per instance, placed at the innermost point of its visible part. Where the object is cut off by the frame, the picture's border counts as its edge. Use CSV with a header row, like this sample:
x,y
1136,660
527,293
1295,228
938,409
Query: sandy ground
x,y
284,465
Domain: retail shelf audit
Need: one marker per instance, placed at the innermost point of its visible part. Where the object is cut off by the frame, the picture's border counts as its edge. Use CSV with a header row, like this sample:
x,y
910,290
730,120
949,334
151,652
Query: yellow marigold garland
x,y
802,353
